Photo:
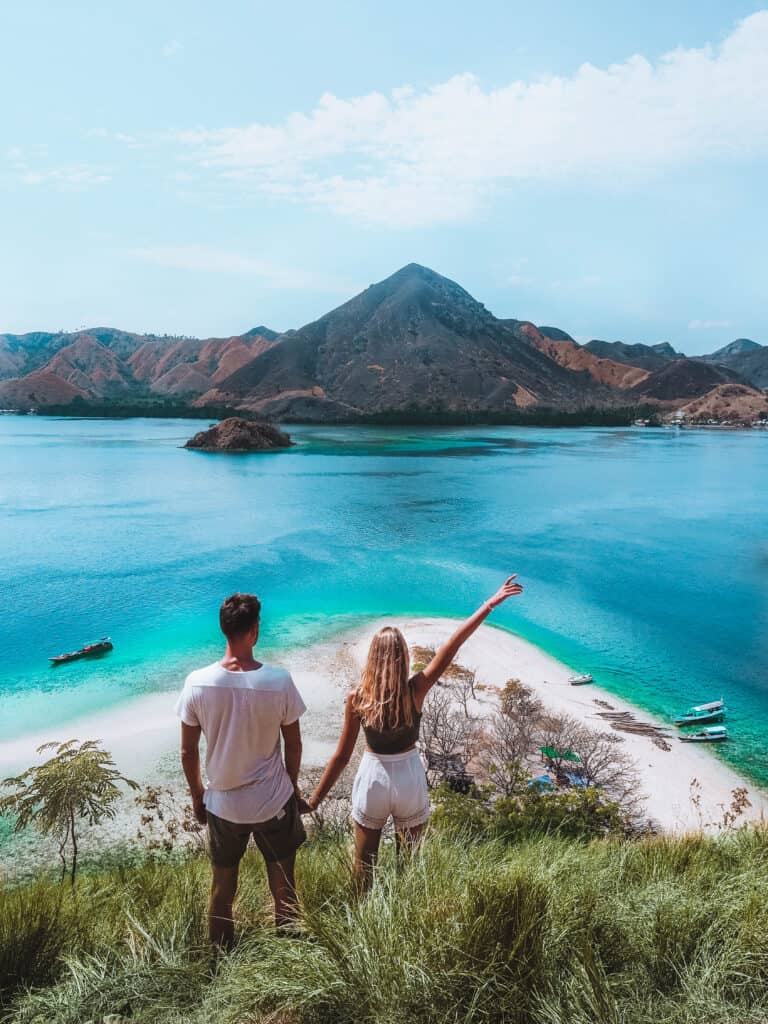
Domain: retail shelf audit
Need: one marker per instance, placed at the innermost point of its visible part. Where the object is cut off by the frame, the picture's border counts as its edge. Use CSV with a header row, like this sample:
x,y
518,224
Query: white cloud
x,y
413,158
212,260
705,325
121,137
73,176
171,48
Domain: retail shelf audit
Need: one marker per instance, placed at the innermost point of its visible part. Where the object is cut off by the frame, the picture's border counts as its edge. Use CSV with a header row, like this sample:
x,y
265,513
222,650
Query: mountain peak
x,y
416,274
261,332
419,285
666,350
736,348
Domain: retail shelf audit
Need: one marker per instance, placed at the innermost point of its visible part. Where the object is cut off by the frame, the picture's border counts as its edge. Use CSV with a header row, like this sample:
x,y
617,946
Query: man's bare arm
x,y
190,762
292,744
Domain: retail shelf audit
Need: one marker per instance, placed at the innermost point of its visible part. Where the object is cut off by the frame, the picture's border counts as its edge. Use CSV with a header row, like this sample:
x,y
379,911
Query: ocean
x,y
644,554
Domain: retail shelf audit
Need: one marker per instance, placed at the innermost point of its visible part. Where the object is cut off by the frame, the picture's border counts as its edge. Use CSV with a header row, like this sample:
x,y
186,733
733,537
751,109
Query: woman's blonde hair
x,y
383,698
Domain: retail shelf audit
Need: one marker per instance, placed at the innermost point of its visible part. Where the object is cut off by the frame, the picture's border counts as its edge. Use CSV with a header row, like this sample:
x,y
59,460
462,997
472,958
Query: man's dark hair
x,y
239,614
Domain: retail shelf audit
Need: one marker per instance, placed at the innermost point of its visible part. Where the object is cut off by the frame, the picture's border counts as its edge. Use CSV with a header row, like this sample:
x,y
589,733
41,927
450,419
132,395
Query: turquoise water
x,y
644,553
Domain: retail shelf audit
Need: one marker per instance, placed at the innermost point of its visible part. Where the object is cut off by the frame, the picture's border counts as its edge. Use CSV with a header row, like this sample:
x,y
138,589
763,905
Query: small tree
x,y
509,742
602,763
448,737
79,783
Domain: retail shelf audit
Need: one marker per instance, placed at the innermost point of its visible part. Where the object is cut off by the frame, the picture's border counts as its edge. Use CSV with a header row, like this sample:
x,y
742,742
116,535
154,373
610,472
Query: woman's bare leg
x,y
366,850
407,840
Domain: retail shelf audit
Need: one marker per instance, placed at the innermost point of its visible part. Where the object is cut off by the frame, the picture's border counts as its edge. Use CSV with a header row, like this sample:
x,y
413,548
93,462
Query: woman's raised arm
x,y
340,759
449,650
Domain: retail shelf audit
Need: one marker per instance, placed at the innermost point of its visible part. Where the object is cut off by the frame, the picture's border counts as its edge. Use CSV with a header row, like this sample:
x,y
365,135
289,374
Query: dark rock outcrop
x,y
239,435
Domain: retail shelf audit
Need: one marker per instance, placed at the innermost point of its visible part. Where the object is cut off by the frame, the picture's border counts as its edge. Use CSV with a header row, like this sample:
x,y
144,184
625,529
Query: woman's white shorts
x,y
390,784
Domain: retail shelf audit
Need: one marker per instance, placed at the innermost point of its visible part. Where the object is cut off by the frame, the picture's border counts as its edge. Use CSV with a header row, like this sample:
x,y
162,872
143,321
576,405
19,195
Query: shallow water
x,y
644,553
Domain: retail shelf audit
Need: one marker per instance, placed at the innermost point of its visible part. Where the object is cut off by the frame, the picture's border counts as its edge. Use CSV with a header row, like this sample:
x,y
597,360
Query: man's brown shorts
x,y
278,838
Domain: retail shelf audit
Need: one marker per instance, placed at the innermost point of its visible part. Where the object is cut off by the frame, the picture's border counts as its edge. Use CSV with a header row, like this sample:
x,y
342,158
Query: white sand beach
x,y
143,733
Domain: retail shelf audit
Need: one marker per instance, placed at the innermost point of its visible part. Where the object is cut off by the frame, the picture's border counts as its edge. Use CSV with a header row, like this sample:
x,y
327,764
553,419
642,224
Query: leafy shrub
x,y
574,813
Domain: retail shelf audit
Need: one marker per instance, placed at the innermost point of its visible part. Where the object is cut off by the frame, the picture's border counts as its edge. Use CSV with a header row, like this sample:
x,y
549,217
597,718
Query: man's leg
x,y
282,885
279,839
221,927
366,850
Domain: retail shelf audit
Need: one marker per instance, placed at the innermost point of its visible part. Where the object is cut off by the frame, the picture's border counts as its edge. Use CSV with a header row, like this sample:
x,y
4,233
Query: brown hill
x,y
415,339
646,357
37,389
574,357
682,379
191,366
104,363
91,367
736,403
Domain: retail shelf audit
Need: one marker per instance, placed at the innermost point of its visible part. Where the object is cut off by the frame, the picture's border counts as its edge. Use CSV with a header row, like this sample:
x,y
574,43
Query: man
x,y
242,707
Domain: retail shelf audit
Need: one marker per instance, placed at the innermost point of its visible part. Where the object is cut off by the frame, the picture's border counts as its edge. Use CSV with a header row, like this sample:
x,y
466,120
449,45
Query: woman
x,y
387,704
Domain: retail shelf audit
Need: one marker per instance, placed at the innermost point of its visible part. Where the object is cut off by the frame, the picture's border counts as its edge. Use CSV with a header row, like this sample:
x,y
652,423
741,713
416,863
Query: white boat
x,y
713,711
711,734
581,680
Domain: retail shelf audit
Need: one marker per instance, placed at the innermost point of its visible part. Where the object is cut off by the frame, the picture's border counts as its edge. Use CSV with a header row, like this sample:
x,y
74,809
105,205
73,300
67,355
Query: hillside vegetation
x,y
541,930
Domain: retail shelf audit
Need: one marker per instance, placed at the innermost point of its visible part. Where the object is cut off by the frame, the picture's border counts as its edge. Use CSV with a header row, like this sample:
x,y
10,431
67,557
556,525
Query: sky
x,y
197,168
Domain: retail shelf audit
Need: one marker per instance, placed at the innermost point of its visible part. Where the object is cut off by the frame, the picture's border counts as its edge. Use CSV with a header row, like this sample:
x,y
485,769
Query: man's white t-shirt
x,y
240,714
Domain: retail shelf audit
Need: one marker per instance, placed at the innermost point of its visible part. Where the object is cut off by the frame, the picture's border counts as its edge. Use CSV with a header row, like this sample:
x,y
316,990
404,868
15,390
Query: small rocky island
x,y
239,435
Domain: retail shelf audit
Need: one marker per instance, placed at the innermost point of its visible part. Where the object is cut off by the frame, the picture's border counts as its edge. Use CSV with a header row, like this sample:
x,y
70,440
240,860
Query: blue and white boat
x,y
710,734
700,714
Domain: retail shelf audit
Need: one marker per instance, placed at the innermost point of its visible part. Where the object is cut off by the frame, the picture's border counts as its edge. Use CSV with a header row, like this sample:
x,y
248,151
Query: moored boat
x,y
700,714
88,650
710,734
580,680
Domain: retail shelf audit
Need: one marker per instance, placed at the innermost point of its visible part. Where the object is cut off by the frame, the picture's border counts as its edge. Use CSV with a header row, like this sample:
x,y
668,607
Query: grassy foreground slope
x,y
546,930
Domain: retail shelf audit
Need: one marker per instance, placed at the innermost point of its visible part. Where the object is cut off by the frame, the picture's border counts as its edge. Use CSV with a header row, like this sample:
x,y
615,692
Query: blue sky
x,y
197,168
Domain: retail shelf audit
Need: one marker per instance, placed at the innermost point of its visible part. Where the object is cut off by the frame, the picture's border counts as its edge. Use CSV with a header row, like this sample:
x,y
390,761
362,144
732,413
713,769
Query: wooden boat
x,y
700,714
581,680
711,734
99,647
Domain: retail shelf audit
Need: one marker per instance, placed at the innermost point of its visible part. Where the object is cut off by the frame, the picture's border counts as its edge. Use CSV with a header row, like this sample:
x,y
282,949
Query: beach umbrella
x,y
559,755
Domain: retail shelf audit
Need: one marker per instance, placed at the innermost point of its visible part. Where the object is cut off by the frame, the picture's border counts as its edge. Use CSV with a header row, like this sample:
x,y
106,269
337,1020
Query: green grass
x,y
546,931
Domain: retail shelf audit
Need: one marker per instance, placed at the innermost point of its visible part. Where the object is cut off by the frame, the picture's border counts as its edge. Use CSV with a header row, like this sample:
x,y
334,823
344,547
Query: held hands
x,y
305,806
508,589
